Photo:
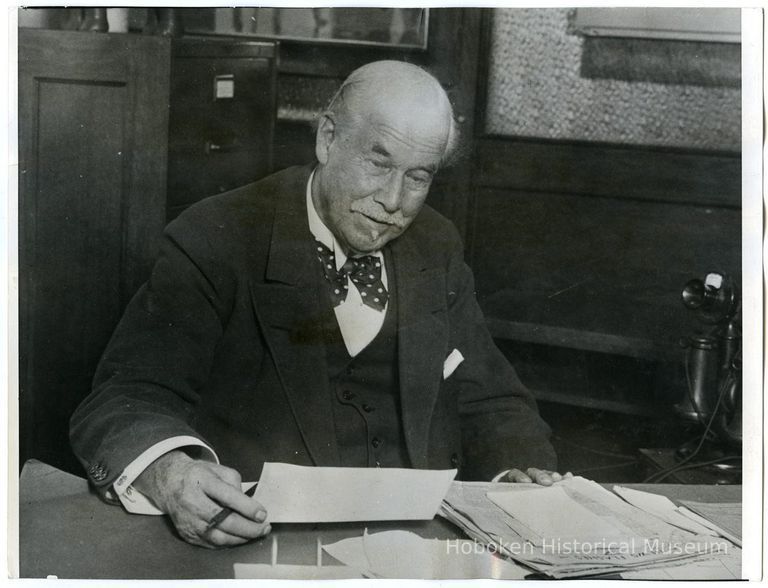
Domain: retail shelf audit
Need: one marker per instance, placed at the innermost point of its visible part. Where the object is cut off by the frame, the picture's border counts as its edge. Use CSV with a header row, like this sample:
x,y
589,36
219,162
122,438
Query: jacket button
x,y
375,442
347,395
349,371
367,408
455,460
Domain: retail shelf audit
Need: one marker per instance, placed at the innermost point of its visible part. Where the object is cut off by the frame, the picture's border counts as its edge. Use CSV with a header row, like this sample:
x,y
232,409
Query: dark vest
x,y
365,391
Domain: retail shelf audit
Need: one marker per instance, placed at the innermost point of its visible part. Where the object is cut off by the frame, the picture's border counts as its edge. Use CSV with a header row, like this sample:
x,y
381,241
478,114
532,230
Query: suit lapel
x,y
288,307
422,340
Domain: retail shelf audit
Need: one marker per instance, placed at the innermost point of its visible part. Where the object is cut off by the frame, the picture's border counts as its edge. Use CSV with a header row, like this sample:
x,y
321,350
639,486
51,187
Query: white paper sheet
x,y
661,507
723,518
725,566
552,514
402,554
298,494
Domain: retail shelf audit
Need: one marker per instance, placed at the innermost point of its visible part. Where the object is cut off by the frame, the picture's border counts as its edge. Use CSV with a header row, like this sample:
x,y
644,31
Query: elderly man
x,y
321,316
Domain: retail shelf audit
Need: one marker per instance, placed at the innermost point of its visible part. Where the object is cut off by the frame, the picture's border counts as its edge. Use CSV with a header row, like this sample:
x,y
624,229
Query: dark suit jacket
x,y
224,343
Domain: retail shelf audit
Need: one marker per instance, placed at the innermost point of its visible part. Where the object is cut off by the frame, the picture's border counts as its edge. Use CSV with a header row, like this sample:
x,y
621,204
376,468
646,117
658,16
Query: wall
x,y
536,90
595,201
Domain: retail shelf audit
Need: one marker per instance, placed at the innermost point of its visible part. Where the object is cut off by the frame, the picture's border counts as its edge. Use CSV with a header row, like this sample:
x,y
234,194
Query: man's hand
x,y
192,492
541,477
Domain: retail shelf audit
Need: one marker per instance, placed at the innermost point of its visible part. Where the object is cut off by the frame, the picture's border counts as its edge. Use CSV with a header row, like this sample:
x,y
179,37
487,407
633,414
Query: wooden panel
x,y
77,249
294,144
620,172
590,380
92,147
144,193
218,49
608,269
63,55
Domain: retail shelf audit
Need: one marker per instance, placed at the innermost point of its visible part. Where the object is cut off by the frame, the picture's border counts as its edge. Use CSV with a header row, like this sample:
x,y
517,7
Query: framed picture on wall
x,y
396,27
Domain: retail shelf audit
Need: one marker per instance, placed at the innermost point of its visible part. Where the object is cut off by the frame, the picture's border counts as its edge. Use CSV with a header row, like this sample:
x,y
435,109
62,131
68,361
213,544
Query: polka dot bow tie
x,y
365,273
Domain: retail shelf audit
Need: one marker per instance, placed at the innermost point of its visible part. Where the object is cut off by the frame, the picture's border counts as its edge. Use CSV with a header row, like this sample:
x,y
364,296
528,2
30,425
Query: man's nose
x,y
391,195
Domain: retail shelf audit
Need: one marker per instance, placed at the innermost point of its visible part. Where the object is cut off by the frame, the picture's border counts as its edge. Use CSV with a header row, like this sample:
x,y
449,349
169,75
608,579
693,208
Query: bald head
x,y
395,91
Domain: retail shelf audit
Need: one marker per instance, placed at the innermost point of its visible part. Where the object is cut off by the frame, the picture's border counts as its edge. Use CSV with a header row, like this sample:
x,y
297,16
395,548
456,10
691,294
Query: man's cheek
x,y
414,202
411,209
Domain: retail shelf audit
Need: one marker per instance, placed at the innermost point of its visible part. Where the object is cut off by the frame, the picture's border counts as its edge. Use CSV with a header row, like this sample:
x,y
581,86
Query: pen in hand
x,y
226,511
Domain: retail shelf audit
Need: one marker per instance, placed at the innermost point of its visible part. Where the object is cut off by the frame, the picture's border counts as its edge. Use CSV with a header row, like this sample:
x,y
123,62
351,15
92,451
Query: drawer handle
x,y
211,147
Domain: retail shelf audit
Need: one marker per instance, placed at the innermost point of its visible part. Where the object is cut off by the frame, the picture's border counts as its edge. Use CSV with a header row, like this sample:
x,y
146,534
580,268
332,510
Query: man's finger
x,y
556,476
541,477
231,497
235,524
218,538
194,529
544,479
519,477
229,475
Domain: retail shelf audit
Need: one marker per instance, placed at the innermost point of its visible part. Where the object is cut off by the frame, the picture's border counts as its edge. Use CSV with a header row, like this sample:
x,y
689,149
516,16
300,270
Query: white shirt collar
x,y
322,233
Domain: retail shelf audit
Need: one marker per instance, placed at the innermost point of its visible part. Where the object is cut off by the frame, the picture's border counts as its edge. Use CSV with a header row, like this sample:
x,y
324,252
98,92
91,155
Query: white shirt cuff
x,y
133,500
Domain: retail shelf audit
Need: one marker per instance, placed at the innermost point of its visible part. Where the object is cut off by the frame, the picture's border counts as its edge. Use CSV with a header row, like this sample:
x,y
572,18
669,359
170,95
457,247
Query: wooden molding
x,y
699,178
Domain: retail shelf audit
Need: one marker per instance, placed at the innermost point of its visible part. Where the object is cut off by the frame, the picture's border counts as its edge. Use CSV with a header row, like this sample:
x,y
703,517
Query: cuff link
x,y
98,472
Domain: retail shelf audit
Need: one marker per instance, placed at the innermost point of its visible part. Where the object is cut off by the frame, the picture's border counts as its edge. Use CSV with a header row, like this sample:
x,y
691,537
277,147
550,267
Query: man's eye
x,y
378,164
420,179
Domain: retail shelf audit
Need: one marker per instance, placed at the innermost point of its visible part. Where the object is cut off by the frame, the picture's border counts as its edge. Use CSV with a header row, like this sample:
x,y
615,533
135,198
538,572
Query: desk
x,y
65,530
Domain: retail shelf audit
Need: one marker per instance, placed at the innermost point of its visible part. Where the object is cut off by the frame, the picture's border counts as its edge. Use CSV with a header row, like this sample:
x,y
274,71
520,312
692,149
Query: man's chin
x,y
366,246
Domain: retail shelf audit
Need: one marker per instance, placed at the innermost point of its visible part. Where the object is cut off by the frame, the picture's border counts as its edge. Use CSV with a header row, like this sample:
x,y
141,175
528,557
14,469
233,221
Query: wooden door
x,y
93,120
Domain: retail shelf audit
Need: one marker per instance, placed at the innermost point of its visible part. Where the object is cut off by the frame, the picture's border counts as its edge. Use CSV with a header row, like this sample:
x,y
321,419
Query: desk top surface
x,y
65,530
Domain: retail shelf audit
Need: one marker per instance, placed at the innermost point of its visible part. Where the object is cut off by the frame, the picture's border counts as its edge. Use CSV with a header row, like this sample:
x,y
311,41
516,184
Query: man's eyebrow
x,y
381,150
429,169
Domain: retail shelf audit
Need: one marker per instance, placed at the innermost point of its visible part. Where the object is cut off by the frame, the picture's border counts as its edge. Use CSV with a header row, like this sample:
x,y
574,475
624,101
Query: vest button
x,y
367,408
347,395
375,442
349,371
455,460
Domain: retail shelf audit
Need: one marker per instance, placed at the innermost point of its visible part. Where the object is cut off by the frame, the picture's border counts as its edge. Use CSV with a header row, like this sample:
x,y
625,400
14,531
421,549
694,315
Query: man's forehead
x,y
387,137
396,129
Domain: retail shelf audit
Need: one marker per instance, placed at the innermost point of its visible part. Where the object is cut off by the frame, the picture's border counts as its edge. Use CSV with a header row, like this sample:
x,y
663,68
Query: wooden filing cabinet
x,y
222,117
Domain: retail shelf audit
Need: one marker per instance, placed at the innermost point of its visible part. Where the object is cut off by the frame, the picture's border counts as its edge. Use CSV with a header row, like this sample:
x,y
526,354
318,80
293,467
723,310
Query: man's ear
x,y
326,132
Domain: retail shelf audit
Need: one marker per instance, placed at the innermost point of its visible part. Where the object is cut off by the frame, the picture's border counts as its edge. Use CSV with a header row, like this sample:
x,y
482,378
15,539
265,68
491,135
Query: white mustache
x,y
379,216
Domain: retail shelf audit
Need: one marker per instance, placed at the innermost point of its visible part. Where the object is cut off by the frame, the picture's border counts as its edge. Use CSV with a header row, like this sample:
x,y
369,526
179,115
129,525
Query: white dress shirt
x,y
359,325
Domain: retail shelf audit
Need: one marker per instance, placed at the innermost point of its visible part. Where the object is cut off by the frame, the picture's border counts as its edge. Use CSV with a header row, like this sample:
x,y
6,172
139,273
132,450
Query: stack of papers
x,y
577,528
